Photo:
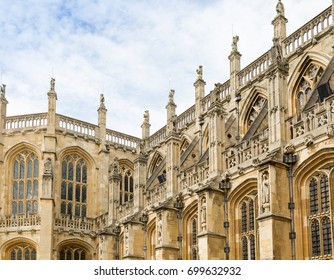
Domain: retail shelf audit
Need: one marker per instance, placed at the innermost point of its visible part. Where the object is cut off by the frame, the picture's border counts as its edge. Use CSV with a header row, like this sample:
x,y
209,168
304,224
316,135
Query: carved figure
x,y
48,166
280,8
200,72
234,45
146,116
114,167
171,96
52,84
265,188
203,213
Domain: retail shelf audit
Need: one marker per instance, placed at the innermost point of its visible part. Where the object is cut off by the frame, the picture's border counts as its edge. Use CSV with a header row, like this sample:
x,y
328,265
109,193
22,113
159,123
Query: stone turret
x,y
199,94
52,101
102,121
234,58
146,125
171,113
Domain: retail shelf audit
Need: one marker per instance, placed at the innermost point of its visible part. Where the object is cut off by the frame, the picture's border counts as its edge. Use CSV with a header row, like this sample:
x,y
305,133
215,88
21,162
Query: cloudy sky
x,y
132,51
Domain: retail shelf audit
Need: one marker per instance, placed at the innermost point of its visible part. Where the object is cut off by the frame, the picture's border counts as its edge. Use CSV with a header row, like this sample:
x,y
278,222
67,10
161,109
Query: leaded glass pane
x,y
77,210
27,254
35,195
21,190
19,254
251,215
14,208
29,190
131,184
33,254
83,211
15,190
77,193
327,237
126,197
13,255
70,191
313,196
62,255
83,255
126,183
84,174
64,170
70,171
21,169
16,170
35,168
243,217
324,189
315,232
252,247
34,206
78,173
28,209
63,190
29,173
21,207
68,255
244,249
63,208
84,194
76,255
69,209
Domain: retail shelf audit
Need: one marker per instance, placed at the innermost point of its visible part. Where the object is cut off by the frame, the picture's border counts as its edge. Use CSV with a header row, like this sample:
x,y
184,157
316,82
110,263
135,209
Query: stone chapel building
x,y
247,172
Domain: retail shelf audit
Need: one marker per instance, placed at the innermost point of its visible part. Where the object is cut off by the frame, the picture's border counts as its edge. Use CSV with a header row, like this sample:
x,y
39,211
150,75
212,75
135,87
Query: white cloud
x,y
132,51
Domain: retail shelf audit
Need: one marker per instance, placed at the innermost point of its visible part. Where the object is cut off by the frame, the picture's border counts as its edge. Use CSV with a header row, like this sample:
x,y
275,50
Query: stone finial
x,y
3,90
171,96
52,84
102,105
234,45
280,8
146,117
199,72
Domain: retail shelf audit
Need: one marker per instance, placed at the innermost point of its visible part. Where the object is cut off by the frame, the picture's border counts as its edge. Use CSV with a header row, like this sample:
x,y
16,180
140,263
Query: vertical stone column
x,y
280,22
103,160
146,125
199,94
216,138
106,246
235,67
166,234
273,219
114,192
133,241
46,213
211,239
140,169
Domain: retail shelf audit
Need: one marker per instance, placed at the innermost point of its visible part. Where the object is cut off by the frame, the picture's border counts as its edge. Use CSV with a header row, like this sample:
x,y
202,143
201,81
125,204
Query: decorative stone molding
x,y
289,149
308,140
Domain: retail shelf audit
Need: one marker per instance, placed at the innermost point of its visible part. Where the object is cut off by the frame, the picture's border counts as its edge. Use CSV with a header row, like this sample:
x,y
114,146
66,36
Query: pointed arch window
x,y
25,184
319,217
255,110
74,186
73,253
126,186
23,252
307,84
247,229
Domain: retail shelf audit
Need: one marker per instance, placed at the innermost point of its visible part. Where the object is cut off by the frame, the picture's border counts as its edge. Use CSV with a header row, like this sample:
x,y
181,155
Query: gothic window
x,y
23,252
306,85
126,186
255,110
184,146
25,184
74,186
248,229
319,217
73,253
194,238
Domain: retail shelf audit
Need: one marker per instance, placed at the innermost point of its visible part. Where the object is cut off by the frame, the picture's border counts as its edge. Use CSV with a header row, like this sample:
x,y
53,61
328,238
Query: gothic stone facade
x,y
245,173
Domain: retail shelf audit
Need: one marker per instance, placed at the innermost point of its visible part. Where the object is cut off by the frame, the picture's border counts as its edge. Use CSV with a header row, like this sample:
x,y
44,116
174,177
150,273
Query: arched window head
x,y
307,84
73,252
74,184
23,251
25,184
255,109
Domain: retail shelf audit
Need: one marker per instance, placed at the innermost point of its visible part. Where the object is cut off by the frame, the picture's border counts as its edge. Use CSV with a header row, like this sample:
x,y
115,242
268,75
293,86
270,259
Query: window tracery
x,y
25,184
73,253
74,186
23,252
319,217
255,110
126,185
307,84
248,241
